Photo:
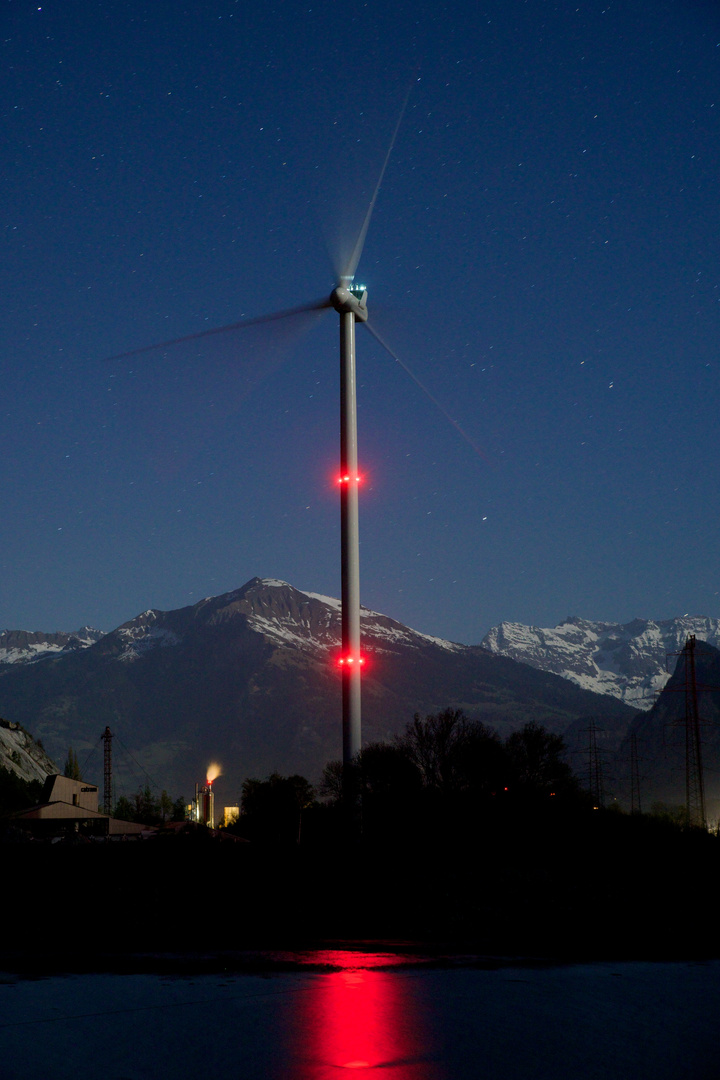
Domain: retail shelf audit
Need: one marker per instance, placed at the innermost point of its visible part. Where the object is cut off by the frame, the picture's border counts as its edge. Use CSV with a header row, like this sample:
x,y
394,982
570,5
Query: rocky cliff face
x,y
630,661
21,754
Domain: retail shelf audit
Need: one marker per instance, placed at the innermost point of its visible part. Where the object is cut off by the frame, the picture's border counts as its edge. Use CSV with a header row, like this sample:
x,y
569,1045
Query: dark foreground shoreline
x,y
560,894
313,958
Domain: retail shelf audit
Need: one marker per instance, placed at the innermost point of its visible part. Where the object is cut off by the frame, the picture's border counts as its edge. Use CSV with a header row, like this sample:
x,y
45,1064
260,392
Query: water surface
x,y
370,1015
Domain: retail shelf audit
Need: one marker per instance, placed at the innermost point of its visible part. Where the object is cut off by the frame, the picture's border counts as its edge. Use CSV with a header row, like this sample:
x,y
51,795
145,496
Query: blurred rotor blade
x,y
348,272
287,313
427,393
177,402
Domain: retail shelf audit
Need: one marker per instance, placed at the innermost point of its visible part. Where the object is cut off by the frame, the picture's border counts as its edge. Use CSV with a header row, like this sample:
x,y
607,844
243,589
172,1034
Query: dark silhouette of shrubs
x,y
146,808
16,793
535,764
272,810
451,777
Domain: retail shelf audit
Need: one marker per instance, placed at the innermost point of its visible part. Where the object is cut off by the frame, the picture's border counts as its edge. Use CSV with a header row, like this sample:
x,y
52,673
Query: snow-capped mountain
x,y
249,678
279,612
24,646
630,661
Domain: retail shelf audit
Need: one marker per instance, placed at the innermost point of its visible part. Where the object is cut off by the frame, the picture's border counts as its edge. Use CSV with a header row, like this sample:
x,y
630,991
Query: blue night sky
x,y
544,255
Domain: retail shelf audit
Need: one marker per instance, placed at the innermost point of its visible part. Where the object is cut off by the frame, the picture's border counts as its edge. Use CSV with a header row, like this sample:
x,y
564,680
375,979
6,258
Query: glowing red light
x,y
347,479
351,660
358,1020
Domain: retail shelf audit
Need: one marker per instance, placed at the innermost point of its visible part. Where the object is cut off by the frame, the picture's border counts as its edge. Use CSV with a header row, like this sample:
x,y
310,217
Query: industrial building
x,y
71,806
202,808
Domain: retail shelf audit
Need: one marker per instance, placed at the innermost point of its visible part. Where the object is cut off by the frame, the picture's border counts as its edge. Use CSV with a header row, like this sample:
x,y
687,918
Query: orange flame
x,y
213,772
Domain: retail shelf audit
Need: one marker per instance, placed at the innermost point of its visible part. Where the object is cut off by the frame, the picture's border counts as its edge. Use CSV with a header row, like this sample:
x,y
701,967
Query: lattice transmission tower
x,y
107,737
595,770
635,803
694,781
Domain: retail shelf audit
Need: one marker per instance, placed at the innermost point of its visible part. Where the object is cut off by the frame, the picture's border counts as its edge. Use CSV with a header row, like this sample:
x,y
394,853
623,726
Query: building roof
x,y
74,801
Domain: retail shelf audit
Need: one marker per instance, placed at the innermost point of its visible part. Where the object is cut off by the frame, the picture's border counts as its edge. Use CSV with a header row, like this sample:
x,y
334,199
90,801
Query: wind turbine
x,y
349,299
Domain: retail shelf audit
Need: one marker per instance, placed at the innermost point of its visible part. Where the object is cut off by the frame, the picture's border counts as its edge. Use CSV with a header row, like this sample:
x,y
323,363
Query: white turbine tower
x,y
350,301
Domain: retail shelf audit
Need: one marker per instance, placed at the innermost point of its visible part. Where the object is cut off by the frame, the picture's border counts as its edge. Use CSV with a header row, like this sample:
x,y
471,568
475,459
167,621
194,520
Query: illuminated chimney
x,y
203,807
208,806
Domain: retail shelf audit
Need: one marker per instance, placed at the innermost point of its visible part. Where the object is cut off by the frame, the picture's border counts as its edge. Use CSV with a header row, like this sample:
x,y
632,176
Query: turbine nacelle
x,y
350,299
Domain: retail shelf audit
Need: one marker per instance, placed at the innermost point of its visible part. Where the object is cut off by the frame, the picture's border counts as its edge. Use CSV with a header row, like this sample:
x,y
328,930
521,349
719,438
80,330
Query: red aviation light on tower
x,y
348,479
350,662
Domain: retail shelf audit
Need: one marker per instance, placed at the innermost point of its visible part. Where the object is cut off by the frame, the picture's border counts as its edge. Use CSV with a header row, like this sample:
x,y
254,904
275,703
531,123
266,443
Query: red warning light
x,y
348,660
347,479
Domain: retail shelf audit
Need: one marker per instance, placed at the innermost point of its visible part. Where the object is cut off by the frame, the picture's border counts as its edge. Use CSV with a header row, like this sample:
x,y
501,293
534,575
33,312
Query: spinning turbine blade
x,y
349,271
287,313
427,393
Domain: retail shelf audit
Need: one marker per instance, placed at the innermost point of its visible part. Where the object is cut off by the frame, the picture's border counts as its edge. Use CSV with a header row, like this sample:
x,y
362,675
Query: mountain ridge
x,y
625,660
27,646
248,677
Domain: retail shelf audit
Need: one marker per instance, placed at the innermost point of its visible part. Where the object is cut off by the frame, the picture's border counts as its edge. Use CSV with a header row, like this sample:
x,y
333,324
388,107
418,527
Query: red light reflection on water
x,y
356,1029
363,1019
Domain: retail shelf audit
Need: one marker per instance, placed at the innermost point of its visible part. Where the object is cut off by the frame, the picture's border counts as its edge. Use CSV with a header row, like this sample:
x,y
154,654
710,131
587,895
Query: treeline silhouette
x,y
445,771
486,844
469,843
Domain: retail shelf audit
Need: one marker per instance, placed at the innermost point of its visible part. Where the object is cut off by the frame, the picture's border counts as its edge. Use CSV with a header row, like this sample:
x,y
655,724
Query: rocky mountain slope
x,y
629,661
250,679
25,646
21,754
659,738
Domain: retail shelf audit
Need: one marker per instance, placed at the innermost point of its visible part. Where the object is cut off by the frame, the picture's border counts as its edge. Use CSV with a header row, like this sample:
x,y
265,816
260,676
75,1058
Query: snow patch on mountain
x,y
631,661
140,635
315,620
329,601
380,627
27,646
275,583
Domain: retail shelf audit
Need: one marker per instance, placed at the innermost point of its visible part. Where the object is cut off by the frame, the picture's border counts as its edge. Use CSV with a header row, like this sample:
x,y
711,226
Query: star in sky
x,y
542,257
